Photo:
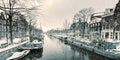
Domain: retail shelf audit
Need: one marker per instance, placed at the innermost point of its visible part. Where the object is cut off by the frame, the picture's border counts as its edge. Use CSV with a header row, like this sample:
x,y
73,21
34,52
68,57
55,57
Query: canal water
x,y
54,49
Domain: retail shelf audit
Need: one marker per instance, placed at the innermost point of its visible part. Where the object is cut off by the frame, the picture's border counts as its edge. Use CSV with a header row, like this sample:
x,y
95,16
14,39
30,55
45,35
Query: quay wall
x,y
101,52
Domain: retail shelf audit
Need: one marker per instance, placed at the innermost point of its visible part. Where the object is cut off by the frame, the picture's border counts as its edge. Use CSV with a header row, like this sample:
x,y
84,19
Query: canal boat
x,y
64,39
18,55
36,44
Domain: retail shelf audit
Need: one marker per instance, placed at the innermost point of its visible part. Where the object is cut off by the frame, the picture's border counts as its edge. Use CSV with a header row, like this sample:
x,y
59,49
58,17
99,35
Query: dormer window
x,y
111,10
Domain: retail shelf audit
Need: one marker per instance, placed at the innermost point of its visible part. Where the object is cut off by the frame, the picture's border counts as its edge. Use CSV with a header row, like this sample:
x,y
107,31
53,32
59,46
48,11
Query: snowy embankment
x,y
109,54
5,52
85,44
12,46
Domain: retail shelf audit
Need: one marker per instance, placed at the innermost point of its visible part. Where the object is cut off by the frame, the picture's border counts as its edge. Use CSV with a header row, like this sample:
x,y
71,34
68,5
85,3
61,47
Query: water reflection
x,y
54,49
33,54
86,55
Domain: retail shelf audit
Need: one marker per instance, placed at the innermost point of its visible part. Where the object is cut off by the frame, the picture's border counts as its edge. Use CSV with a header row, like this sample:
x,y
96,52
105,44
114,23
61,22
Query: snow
x,y
118,46
16,40
114,51
112,40
3,41
27,37
108,14
86,40
98,14
35,41
18,54
96,20
117,50
12,46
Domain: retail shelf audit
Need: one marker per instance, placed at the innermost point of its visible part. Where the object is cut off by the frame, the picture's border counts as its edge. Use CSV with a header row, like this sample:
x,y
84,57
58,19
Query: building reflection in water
x,y
86,55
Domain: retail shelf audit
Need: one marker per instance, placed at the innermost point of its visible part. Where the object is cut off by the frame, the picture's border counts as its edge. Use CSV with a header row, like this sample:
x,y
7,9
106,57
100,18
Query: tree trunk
x,y
30,30
83,29
11,36
7,31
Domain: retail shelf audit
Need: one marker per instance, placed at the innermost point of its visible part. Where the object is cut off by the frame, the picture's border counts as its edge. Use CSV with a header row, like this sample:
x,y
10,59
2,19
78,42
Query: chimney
x,y
108,10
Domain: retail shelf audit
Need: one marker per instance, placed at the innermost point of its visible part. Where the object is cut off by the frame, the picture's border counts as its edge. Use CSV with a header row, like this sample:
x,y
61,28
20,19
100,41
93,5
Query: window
x,y
119,36
110,27
116,36
102,35
103,26
107,27
98,24
111,36
106,35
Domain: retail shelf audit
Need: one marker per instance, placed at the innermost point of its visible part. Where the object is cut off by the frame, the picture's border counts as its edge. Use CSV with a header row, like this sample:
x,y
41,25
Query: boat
x,y
36,44
18,55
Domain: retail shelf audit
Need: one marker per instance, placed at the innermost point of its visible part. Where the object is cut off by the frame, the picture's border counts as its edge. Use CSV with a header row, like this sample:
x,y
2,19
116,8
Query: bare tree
x,y
66,26
84,15
76,17
75,20
31,15
8,9
12,6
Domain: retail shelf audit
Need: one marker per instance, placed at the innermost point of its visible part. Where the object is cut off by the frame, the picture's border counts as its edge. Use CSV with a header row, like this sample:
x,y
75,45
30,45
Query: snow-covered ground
x,y
12,46
7,49
2,41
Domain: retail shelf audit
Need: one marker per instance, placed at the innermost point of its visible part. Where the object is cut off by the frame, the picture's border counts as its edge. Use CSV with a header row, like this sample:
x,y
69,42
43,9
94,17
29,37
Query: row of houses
x,y
102,25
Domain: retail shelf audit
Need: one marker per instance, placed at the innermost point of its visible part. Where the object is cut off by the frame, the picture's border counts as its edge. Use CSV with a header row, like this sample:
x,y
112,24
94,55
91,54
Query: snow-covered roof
x,y
109,14
96,20
97,17
98,14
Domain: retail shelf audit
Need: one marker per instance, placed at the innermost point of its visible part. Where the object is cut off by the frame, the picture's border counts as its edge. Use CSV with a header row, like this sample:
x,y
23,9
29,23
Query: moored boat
x,y
33,45
18,55
36,42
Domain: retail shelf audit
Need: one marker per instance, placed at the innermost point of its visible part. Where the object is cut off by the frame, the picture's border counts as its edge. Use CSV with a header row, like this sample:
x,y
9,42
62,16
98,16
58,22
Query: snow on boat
x,y
33,45
18,55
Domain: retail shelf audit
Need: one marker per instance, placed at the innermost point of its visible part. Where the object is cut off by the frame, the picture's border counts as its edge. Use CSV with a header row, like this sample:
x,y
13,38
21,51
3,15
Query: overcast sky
x,y
55,12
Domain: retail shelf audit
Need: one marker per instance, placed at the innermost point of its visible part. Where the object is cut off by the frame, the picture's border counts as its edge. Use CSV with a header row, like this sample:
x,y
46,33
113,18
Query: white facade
x,y
107,28
108,34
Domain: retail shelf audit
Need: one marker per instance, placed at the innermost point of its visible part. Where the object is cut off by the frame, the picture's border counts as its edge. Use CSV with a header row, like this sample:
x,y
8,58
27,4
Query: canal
x,y
54,49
